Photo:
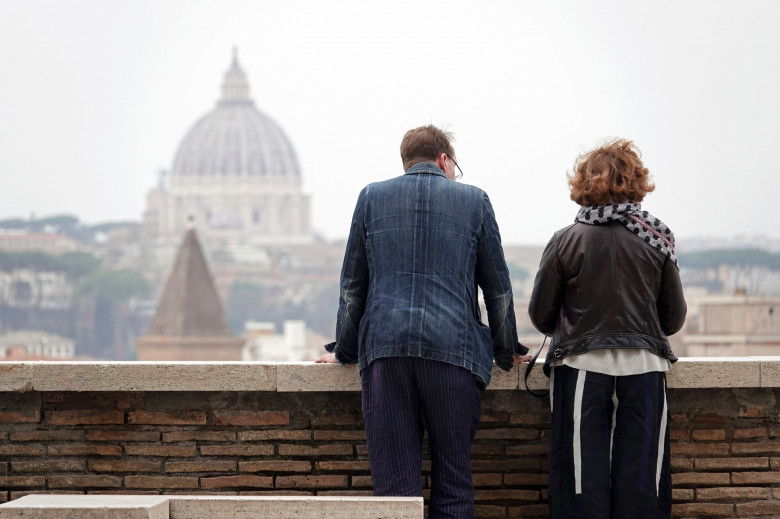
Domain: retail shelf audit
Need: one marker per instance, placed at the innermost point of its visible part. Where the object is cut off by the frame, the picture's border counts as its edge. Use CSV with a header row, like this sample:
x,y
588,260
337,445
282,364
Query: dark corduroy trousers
x,y
399,393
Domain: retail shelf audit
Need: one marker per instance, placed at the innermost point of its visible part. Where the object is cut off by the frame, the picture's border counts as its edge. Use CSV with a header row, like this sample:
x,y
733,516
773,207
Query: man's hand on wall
x,y
327,358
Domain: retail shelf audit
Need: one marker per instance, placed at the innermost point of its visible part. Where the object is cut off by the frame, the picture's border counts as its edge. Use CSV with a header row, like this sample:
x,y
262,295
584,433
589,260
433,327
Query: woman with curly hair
x,y
608,291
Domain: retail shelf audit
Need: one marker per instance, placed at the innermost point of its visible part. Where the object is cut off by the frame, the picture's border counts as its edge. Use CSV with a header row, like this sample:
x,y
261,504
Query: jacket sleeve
x,y
353,289
493,278
671,302
547,294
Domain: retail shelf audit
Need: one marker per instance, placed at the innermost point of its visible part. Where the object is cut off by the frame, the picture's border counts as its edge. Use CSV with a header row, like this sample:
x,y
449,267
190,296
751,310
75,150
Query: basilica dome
x,y
235,140
235,177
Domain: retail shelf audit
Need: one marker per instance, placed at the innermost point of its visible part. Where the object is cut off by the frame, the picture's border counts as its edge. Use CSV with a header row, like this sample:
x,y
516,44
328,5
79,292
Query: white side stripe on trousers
x,y
552,387
661,443
614,423
577,421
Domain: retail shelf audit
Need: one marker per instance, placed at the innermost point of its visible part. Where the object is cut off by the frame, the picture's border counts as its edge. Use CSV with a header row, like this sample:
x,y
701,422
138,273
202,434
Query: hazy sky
x,y
95,97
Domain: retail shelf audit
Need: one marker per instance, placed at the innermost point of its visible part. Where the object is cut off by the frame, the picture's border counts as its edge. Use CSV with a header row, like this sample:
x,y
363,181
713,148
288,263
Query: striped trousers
x,y
399,395
609,452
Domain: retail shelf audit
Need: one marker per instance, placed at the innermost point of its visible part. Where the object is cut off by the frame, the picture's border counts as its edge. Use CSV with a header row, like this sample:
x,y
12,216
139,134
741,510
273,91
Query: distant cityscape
x,y
223,265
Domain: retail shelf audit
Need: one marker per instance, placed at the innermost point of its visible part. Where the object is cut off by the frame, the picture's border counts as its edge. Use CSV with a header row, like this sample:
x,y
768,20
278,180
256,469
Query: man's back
x,y
422,236
419,245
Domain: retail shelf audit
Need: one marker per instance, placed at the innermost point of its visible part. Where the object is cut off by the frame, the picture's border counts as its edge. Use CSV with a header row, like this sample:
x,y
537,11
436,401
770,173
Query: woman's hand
x,y
328,358
521,359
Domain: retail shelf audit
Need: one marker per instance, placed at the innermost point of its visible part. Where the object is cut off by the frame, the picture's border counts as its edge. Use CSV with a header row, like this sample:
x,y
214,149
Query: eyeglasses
x,y
459,175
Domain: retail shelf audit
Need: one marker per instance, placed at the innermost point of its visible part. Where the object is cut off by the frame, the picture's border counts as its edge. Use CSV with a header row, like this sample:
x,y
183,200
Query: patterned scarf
x,y
646,226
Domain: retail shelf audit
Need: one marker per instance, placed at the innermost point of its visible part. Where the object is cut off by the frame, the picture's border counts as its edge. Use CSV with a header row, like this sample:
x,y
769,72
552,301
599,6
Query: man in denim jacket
x,y
418,247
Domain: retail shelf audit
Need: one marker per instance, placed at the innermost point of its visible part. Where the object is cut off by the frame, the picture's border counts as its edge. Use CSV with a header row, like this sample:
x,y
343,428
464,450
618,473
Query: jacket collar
x,y
425,168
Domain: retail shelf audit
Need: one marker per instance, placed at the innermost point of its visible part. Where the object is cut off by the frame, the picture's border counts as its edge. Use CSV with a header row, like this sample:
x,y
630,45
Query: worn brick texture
x,y
725,447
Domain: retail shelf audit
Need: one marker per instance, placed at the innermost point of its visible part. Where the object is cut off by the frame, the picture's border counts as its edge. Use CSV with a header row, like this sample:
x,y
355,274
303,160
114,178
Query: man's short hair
x,y
425,144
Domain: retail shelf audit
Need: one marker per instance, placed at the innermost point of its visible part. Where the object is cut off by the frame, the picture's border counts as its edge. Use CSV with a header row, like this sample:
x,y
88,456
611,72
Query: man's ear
x,y
442,161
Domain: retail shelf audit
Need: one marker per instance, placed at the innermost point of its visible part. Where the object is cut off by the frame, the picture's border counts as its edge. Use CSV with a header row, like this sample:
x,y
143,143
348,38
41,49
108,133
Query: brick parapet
x,y
725,451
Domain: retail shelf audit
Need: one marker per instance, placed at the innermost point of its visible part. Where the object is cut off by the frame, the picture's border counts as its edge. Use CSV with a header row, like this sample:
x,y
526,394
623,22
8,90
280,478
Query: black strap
x,y
529,367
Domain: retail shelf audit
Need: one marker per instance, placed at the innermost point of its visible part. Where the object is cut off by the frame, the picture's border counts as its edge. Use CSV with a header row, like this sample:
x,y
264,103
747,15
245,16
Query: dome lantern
x,y
235,87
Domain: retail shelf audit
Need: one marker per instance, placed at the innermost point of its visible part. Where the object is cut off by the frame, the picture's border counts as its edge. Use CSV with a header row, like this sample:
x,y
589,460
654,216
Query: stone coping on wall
x,y
216,507
689,372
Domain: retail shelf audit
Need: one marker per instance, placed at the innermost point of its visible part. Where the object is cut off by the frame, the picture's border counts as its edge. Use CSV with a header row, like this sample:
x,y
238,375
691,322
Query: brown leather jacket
x,y
599,286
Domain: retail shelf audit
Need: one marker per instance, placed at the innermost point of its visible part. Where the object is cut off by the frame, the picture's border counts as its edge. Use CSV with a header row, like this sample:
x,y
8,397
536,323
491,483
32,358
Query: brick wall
x,y
725,447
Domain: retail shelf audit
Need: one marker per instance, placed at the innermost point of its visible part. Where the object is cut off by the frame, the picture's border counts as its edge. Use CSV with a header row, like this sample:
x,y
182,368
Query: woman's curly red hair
x,y
611,174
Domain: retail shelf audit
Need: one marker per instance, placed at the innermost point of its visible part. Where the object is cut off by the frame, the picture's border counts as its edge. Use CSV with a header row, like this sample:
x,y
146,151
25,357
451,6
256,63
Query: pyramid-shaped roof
x,y
189,305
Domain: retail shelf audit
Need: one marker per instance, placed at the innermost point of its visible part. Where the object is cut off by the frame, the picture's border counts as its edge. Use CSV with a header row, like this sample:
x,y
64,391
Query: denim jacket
x,y
418,247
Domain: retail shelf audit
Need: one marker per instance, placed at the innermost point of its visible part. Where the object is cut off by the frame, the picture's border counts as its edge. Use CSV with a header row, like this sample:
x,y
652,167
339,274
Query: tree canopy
x,y
73,264
84,270
114,285
733,257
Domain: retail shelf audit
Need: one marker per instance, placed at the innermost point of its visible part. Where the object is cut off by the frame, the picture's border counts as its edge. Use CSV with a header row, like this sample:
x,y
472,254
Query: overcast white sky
x,y
95,97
